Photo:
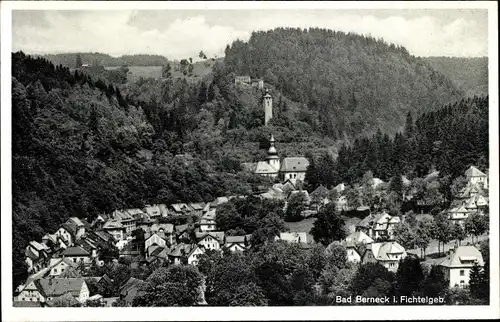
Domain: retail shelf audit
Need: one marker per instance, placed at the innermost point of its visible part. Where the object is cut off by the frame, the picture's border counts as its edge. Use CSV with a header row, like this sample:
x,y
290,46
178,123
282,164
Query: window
x,y
55,270
74,260
462,283
462,272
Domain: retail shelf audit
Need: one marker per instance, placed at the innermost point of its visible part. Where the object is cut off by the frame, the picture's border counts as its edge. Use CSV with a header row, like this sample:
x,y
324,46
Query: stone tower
x,y
272,155
268,107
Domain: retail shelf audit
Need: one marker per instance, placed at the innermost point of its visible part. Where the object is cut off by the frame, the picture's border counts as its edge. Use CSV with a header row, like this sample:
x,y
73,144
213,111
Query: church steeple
x,y
268,107
272,155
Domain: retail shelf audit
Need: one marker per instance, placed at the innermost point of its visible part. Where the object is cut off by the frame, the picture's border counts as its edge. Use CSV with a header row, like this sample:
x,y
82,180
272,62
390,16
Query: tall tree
x,y
329,225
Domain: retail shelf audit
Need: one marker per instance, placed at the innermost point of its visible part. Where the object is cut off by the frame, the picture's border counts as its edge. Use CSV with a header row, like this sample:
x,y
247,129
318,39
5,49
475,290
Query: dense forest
x,y
342,78
469,74
69,60
448,140
87,142
80,147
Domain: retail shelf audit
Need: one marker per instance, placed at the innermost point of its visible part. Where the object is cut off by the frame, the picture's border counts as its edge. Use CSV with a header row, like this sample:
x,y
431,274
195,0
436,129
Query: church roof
x,y
264,167
294,164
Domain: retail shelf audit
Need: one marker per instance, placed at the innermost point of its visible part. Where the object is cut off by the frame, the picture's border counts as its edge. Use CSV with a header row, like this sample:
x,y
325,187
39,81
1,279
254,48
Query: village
x,y
61,262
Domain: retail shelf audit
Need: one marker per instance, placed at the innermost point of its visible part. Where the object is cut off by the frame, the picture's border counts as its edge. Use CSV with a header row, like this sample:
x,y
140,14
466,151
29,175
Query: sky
x,y
179,34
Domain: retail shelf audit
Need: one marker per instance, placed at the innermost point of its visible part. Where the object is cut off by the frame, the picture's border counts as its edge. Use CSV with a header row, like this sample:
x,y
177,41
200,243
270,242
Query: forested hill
x,y
353,84
469,74
69,59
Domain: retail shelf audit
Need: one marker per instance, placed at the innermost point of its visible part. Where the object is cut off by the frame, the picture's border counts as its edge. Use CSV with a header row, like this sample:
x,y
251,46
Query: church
x,y
288,168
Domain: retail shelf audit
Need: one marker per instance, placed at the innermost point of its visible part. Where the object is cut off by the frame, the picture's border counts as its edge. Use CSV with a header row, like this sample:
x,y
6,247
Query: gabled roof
x,y
56,261
319,191
381,250
130,284
113,224
265,168
359,237
210,215
58,286
461,256
29,253
474,172
38,246
294,164
153,211
218,235
75,251
180,207
197,205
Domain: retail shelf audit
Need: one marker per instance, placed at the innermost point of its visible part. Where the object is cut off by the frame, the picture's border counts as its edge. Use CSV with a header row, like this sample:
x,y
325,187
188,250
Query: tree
x,y
476,224
478,286
409,276
424,235
366,276
202,55
442,229
405,236
458,233
329,226
177,285
248,295
435,284
79,62
295,206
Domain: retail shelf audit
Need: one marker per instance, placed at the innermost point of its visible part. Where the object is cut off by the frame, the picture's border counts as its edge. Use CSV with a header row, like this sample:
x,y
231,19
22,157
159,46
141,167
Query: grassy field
x,y
301,226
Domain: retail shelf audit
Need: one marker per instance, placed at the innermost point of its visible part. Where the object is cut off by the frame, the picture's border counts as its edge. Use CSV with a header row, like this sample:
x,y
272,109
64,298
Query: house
x,y
471,190
207,221
353,251
258,83
359,237
341,204
319,197
197,208
46,289
71,231
380,225
165,231
77,254
294,168
115,229
163,210
182,231
459,214
387,254
153,211
476,176
242,80
339,188
155,239
37,255
58,266
90,245
210,240
178,253
50,240
179,209
127,219
194,255
130,290
237,243
265,169
458,264
293,237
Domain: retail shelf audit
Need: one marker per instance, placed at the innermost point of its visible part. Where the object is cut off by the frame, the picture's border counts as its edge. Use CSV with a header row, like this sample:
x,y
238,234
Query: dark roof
x,y
130,284
294,164
51,287
75,251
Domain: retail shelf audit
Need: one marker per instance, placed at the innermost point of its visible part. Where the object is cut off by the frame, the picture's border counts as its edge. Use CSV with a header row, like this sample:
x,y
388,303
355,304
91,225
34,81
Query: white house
x,y
359,237
207,221
294,168
78,255
381,225
71,231
194,255
476,176
46,289
458,264
154,239
388,254
210,240
459,214
58,266
237,243
115,228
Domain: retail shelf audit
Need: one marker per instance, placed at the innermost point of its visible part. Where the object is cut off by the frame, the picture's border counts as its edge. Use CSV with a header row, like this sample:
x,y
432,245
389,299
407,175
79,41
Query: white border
x,y
268,313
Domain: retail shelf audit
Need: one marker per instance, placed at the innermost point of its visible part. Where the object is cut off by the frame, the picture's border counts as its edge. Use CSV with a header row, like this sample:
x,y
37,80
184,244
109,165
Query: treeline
x,y
70,59
469,73
282,274
342,78
448,140
79,148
